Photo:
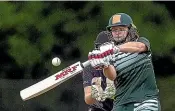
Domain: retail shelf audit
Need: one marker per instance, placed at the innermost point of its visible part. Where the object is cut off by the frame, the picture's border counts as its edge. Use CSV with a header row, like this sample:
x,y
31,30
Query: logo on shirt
x,y
85,82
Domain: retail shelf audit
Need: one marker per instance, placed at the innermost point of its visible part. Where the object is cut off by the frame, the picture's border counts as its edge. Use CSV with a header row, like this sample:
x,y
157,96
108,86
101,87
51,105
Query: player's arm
x,y
87,78
141,45
110,72
87,95
133,47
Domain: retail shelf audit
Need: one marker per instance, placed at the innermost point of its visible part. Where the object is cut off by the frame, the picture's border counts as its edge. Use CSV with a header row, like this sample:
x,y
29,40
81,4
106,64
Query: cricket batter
x,y
98,90
130,66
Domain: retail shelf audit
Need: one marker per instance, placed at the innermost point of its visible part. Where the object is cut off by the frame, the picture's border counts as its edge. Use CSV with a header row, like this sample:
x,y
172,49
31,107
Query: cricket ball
x,y
56,61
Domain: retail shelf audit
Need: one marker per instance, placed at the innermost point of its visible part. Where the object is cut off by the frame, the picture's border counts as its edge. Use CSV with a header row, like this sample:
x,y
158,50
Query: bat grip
x,y
86,63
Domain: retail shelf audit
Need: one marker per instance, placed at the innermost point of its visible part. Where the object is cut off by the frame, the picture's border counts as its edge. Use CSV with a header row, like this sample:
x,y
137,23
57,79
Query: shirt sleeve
x,y
145,41
87,76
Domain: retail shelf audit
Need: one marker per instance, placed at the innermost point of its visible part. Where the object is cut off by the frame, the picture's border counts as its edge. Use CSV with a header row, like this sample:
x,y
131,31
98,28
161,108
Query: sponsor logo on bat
x,y
67,71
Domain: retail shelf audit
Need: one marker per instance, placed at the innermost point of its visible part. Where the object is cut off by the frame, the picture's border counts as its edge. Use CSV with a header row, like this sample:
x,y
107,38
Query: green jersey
x,y
135,80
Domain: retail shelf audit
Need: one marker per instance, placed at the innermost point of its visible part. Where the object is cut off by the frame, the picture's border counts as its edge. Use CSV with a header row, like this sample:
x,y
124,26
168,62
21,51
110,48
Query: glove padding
x,y
101,58
97,93
110,89
98,60
96,89
100,95
109,50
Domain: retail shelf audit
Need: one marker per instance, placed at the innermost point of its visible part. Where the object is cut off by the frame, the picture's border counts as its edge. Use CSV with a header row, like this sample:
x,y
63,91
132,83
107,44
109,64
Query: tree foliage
x,y
32,33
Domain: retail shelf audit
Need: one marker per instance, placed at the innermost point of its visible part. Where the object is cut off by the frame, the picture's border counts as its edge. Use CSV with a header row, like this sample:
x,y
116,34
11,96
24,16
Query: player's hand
x,y
108,50
110,90
97,59
97,92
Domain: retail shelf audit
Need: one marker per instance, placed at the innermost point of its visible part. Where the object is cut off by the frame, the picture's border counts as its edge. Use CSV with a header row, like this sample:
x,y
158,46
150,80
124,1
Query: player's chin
x,y
119,39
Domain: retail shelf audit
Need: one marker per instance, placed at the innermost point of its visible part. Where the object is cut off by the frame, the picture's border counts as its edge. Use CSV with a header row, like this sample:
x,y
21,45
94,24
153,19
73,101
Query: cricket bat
x,y
53,81
56,79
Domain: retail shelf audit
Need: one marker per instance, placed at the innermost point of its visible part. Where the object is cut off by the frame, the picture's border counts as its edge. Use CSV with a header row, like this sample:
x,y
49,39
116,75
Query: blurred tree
x,y
41,30
31,33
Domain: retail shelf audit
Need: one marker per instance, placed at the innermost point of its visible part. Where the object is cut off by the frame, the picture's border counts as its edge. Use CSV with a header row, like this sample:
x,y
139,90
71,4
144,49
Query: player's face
x,y
119,33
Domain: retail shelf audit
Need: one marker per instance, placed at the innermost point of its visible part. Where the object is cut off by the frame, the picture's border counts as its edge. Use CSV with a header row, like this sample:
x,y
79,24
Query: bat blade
x,y
51,82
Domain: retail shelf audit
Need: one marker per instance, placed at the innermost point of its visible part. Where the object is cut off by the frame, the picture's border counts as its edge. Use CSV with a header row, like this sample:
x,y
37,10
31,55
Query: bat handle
x,y
86,63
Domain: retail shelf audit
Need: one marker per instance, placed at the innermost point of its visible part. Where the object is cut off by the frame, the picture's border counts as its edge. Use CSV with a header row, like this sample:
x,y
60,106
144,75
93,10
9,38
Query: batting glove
x,y
97,92
108,50
97,59
110,90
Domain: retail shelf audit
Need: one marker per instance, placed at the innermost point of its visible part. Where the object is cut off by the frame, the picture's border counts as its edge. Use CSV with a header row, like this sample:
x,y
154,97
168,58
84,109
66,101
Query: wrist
x,y
110,72
89,100
106,66
117,49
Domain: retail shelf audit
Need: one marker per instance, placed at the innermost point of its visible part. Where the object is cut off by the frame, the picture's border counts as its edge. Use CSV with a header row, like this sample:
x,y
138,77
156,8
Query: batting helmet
x,y
120,19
